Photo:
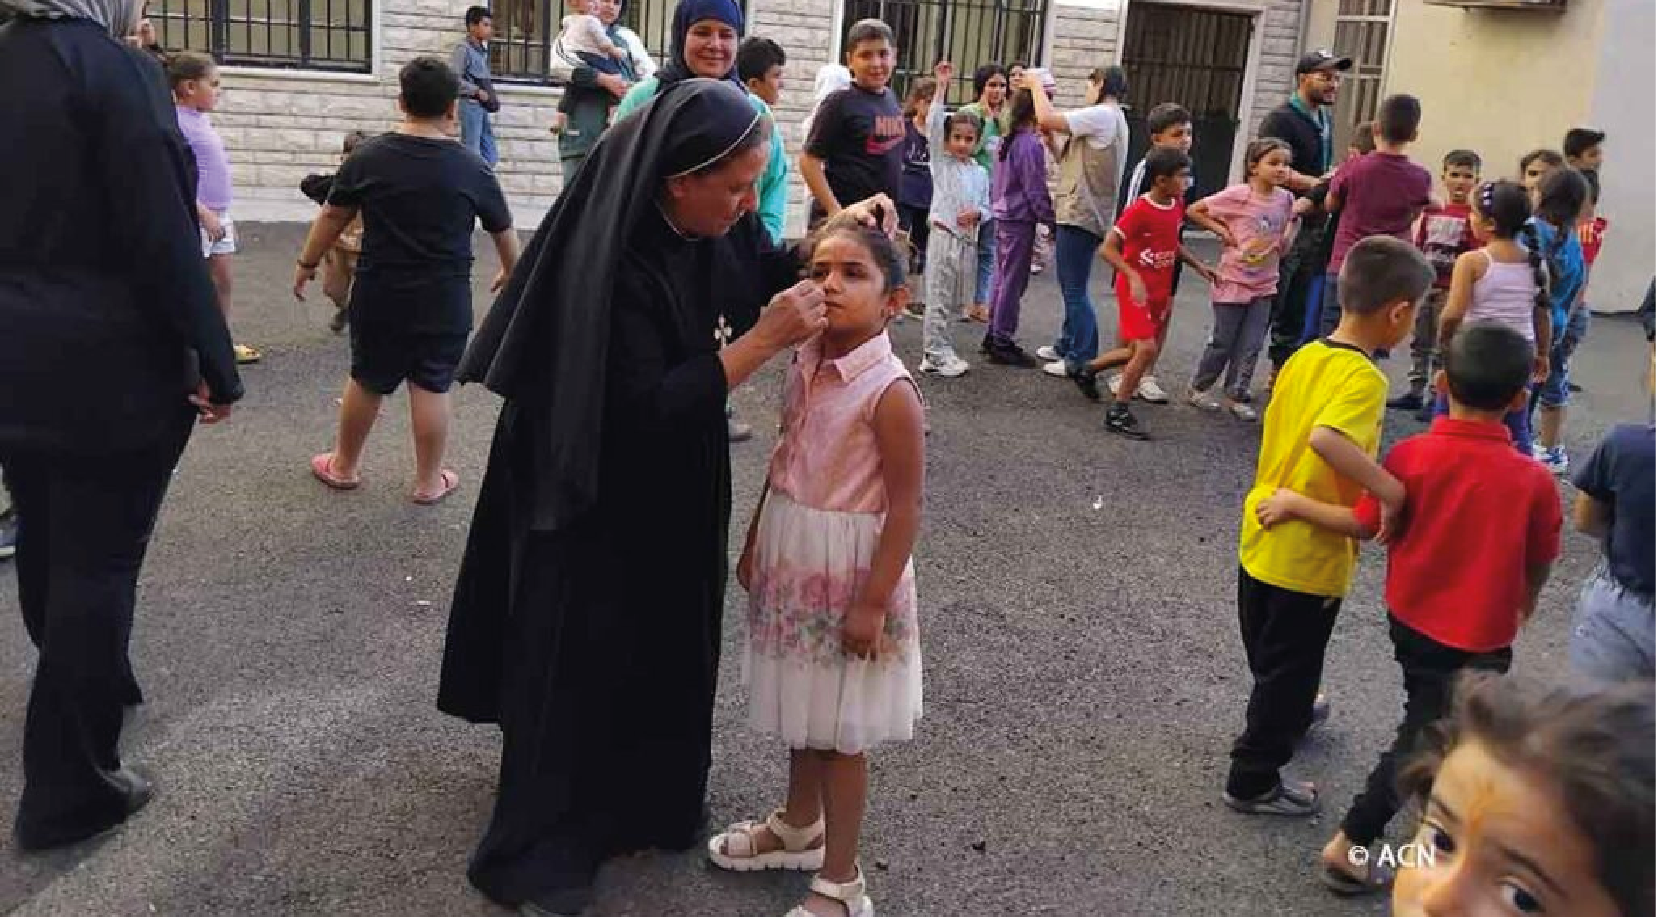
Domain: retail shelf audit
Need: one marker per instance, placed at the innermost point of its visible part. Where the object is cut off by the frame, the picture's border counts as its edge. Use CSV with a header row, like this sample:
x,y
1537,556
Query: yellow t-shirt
x,y
1322,385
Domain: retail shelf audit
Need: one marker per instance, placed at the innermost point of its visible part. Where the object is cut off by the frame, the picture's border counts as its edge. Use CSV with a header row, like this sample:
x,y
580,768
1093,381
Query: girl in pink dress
x,y
833,662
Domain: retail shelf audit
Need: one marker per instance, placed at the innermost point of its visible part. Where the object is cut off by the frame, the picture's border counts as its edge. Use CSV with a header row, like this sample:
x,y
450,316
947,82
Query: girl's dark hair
x,y
1550,157
925,89
1595,747
887,254
1507,205
1021,115
1559,201
1259,149
964,119
1114,81
981,78
188,65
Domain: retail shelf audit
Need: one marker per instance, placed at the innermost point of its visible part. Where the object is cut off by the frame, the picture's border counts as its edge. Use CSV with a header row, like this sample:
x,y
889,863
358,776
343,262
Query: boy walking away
x,y
960,204
1464,566
339,266
470,61
1380,194
855,150
1320,436
1612,639
1143,247
418,193
1444,234
1169,126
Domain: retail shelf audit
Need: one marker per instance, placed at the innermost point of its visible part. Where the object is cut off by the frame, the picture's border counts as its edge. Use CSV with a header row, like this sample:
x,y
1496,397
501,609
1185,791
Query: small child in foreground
x,y
1321,432
339,266
1465,564
1534,800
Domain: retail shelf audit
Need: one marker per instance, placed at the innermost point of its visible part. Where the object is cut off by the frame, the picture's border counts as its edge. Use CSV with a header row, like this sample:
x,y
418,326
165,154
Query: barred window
x,y
968,33
332,35
525,31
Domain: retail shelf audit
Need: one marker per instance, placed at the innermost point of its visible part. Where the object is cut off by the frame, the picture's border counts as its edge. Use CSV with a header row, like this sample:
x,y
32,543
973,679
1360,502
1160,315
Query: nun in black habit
x,y
586,618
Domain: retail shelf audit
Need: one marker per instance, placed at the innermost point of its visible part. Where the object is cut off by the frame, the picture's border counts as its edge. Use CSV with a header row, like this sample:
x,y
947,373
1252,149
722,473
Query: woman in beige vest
x,y
1090,172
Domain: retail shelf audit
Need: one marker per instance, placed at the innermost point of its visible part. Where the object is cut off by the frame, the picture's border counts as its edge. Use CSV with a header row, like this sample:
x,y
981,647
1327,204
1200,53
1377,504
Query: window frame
x,y
639,16
1037,16
305,64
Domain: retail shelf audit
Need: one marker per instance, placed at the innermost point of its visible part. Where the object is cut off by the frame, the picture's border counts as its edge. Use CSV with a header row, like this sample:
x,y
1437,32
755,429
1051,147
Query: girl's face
x,y
202,94
854,287
1273,167
962,141
1497,841
710,48
995,91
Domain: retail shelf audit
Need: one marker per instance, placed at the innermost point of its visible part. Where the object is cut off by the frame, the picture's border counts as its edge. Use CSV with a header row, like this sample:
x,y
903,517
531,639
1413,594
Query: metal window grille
x,y
1361,30
332,35
968,33
525,31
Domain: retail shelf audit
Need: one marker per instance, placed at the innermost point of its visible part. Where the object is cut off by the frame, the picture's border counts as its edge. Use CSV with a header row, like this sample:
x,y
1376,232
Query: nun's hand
x,y
793,315
877,212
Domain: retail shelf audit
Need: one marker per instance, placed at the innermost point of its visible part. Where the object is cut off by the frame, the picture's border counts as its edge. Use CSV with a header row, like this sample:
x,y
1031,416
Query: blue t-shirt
x,y
1567,270
1620,475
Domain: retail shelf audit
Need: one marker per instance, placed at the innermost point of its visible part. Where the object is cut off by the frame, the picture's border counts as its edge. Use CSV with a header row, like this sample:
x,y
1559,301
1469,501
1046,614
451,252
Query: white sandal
x,y
735,848
851,894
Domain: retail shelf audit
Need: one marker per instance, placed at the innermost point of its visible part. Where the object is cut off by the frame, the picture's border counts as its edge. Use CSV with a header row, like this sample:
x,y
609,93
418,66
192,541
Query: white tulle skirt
x,y
809,566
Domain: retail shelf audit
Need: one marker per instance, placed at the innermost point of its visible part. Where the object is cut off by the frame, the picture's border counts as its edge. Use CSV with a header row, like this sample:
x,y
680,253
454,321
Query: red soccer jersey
x,y
1477,514
1150,244
1591,233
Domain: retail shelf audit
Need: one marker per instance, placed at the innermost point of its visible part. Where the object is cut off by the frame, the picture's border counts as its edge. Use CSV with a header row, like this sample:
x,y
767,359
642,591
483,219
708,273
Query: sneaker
x,y
1120,420
1010,354
949,367
1057,369
1283,799
1088,382
1244,411
1204,400
1409,401
1151,391
1048,353
1115,385
8,534
1555,460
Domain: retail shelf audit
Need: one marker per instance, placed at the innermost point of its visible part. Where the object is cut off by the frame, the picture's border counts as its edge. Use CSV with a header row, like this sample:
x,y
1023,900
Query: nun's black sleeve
x,y
655,386
757,268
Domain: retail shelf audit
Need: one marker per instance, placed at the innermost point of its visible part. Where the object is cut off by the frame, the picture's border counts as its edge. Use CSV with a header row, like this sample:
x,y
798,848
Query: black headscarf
x,y
685,15
545,341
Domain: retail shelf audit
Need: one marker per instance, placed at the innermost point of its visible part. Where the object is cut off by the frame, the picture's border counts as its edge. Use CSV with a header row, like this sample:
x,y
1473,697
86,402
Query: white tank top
x,y
1506,294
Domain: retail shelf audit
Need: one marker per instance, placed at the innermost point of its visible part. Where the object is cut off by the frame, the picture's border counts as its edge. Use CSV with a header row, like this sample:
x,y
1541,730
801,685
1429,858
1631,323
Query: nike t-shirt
x,y
859,136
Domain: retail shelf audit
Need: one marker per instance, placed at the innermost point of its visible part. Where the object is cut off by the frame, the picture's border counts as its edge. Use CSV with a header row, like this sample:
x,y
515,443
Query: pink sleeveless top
x,y
826,457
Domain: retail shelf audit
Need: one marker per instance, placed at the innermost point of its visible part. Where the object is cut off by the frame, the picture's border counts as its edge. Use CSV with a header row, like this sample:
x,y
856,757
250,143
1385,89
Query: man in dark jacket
x,y
113,348
1303,122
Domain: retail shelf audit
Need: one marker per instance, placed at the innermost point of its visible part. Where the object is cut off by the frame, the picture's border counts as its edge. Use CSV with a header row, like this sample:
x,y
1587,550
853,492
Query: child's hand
x,y
944,72
860,636
1303,206
1208,273
1392,515
212,225
1278,508
1539,371
967,219
1226,238
1136,288
499,282
302,276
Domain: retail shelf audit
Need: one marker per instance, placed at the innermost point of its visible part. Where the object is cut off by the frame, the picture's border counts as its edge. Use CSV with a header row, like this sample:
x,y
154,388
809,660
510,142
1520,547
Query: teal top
x,y
773,183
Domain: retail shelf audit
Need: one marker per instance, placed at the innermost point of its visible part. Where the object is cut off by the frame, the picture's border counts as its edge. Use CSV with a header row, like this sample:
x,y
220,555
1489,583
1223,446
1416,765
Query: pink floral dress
x,y
815,540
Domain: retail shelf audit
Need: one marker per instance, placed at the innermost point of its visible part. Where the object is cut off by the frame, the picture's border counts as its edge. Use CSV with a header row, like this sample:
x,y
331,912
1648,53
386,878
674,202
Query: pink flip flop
x,y
322,468
451,483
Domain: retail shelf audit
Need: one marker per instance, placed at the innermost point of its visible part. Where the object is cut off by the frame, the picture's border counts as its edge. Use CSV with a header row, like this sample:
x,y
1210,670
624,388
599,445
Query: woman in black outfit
x,y
112,349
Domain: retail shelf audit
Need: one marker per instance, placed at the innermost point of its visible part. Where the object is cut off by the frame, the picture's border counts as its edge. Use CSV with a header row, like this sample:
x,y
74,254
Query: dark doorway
x,y
1197,58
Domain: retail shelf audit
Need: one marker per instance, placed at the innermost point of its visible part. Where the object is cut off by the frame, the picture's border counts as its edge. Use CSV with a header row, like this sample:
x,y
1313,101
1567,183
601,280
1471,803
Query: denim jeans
x,y
1611,640
1075,250
986,262
476,133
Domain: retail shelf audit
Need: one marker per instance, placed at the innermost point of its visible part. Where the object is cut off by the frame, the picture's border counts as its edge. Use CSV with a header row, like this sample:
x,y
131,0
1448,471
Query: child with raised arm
x,y
960,204
1321,432
1465,564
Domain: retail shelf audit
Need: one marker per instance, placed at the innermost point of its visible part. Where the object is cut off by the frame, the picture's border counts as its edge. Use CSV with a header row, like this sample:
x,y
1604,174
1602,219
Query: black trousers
x,y
84,524
1430,670
1305,261
1284,635
918,223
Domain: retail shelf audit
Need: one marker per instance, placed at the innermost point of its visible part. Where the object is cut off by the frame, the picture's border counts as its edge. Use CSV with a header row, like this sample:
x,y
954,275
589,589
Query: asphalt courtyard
x,y
1084,677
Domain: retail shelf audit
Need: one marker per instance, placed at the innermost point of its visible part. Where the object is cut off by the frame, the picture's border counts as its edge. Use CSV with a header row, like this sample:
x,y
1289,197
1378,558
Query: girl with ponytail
x,y
1505,282
1561,199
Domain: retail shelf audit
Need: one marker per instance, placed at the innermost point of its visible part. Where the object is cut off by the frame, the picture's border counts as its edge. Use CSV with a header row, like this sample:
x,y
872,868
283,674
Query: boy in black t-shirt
x,y
855,150
419,193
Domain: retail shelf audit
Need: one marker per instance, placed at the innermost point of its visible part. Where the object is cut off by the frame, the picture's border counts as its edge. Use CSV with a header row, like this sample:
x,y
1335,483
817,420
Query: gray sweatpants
x,y
1424,344
1613,635
951,279
1234,346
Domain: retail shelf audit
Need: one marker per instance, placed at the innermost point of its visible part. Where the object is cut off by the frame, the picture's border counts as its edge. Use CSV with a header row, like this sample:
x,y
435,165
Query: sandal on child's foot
x,y
738,847
851,896
1347,883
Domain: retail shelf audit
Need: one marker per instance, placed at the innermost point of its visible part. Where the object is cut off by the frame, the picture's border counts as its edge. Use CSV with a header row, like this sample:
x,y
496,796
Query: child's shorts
x,y
383,358
1137,321
226,245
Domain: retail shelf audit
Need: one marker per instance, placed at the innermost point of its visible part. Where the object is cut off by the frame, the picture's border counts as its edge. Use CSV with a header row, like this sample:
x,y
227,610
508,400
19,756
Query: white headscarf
x,y
120,17
831,78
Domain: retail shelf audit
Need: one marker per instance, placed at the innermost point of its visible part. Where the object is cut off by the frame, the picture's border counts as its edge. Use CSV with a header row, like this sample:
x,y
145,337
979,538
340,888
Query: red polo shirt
x,y
1477,516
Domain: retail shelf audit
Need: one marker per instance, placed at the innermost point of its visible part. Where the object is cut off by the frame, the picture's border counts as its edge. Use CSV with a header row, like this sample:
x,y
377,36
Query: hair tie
x,y
1487,196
